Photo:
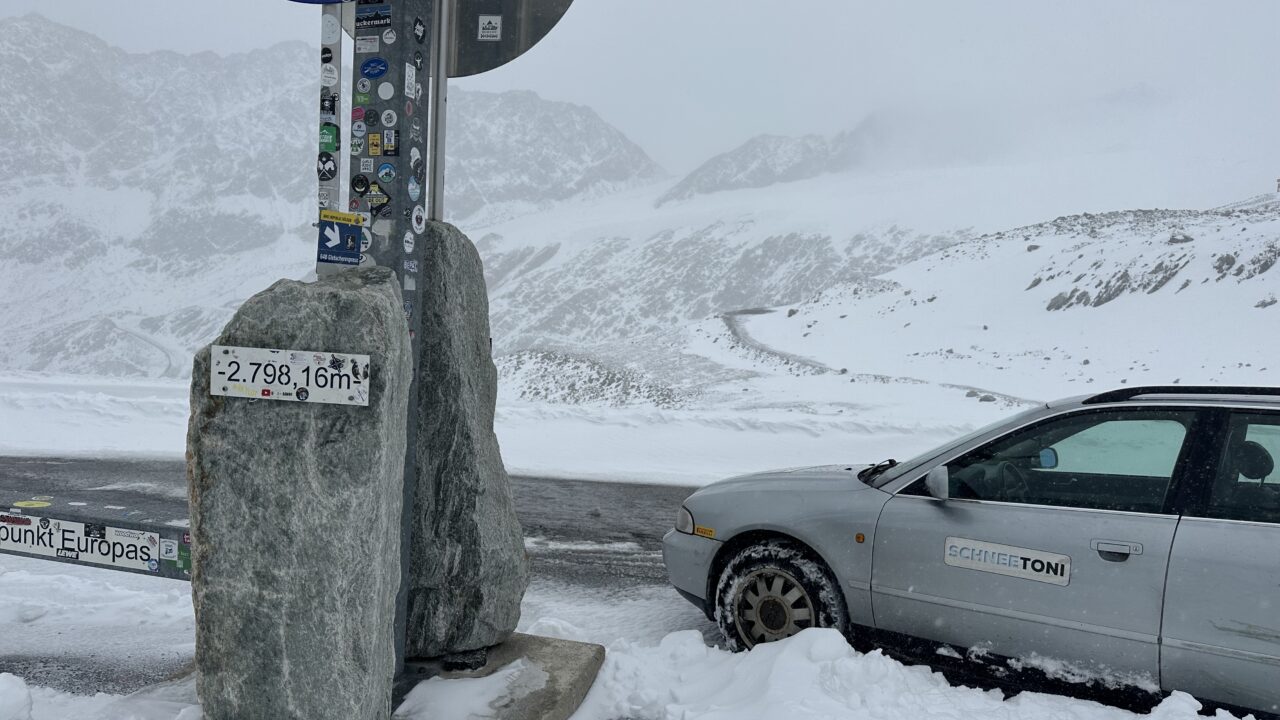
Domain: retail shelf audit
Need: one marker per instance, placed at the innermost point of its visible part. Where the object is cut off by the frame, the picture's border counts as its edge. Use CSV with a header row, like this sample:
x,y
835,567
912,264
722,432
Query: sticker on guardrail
x,y
1008,560
293,375
82,542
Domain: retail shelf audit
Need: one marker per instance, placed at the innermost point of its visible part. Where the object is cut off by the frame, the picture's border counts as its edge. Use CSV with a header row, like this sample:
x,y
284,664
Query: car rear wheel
x,y
773,590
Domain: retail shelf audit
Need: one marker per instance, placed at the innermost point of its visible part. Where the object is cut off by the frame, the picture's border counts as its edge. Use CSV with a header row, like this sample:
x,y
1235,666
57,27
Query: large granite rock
x,y
296,512
468,568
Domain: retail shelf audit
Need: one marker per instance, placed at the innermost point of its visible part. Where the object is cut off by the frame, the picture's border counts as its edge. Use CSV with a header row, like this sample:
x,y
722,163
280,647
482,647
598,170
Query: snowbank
x,y
811,676
15,699
816,674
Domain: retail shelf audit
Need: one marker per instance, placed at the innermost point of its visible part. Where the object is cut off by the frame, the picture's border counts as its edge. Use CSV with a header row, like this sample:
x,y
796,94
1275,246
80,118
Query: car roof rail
x,y
1133,392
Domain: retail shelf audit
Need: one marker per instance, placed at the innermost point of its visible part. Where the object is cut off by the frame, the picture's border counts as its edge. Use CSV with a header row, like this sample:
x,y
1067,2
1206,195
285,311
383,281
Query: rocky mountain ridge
x,y
767,160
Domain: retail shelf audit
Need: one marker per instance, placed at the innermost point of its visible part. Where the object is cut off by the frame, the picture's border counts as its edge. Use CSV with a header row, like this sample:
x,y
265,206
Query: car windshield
x,y
904,467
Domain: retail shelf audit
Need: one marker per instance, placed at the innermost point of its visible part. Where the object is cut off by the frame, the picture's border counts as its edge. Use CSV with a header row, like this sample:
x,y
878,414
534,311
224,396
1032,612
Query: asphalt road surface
x,y
562,519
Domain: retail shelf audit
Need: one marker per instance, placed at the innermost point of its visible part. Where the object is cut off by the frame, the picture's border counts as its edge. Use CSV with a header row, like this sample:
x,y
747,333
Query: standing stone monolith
x,y
296,512
468,567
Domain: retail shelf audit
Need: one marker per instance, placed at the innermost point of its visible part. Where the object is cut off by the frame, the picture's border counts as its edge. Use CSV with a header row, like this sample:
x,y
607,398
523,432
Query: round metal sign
x,y
488,34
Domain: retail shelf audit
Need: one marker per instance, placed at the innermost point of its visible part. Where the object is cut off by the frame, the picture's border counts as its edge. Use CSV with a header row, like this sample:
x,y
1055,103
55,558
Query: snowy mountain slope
x,y
176,186
590,273
759,162
140,227
1065,307
771,159
512,152
626,285
767,160
149,194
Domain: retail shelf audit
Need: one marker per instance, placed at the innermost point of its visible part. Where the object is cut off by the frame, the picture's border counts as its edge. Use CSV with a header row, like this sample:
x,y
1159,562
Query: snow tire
x,y
772,590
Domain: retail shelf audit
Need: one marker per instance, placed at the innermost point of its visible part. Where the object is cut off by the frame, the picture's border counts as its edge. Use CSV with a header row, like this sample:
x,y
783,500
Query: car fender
x,y
829,524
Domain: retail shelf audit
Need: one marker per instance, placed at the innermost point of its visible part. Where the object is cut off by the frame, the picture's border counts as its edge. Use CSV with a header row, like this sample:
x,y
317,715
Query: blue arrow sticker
x,y
374,68
339,244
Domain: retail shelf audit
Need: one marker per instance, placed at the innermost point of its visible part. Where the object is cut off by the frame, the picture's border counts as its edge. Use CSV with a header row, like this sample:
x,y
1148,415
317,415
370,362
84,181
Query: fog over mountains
x,y
148,195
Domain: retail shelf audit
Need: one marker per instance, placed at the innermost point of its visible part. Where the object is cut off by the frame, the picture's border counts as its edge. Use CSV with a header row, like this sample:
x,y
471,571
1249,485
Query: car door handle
x,y
1115,550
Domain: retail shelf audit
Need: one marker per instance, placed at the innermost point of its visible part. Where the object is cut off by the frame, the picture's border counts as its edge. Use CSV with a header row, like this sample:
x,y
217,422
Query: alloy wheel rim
x,y
771,605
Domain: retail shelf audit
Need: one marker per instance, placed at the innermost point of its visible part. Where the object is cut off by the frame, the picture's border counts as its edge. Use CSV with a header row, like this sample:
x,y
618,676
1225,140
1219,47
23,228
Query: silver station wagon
x,y
1130,538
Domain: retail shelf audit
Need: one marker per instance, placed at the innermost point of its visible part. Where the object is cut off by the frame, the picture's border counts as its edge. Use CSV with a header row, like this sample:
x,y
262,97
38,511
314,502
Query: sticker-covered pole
x,y
440,56
328,155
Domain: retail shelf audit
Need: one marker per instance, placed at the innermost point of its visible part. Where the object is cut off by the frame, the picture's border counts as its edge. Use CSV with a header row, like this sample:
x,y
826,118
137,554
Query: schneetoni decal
x,y
1007,560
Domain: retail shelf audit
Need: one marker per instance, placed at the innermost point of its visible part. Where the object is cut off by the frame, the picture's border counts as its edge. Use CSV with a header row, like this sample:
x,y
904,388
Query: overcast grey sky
x,y
688,78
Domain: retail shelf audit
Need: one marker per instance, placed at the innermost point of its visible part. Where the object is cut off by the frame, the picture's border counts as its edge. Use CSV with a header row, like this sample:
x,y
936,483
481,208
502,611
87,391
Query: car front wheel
x,y
773,590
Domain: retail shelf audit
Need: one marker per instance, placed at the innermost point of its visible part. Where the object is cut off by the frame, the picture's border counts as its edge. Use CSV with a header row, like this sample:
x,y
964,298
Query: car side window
x,y
1102,460
1246,485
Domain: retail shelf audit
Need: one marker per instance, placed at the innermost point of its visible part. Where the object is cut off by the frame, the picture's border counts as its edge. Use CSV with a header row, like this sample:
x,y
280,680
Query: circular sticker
x,y
363,85
366,259
360,185
358,129
302,394
386,91
357,145
357,113
31,504
330,30
374,68
386,173
328,75
408,242
389,37
389,118
326,167
366,240
408,108
419,219
152,565
415,189
326,55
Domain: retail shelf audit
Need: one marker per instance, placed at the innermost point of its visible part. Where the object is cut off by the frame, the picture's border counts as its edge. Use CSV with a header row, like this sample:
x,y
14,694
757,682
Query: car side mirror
x,y
1048,459
938,482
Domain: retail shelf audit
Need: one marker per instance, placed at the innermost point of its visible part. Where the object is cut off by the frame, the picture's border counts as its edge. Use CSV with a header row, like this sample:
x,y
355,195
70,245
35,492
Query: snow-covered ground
x,y
655,668
69,415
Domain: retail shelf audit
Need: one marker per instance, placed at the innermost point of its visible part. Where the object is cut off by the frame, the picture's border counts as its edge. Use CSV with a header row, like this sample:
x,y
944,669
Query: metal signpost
x,y
396,148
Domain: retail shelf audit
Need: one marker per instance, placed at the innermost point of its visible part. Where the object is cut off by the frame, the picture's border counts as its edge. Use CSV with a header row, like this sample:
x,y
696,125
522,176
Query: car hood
x,y
790,479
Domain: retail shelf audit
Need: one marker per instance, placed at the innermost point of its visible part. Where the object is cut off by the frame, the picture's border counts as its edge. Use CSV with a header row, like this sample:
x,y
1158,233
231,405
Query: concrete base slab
x,y
548,677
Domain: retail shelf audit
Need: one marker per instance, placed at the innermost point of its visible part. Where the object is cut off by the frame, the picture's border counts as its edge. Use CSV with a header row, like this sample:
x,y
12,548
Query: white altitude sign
x,y
292,375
